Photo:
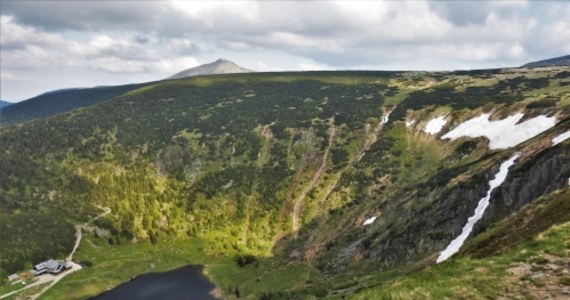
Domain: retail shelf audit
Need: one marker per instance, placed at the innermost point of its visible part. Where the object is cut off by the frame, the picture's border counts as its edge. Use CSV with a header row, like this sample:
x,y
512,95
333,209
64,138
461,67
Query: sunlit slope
x,y
289,166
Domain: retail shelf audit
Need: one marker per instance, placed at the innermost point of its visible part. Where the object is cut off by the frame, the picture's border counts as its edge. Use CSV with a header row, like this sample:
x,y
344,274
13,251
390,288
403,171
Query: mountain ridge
x,y
555,61
4,103
59,101
220,66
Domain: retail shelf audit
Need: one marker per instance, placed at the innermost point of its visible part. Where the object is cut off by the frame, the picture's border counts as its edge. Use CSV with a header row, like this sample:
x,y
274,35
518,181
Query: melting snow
x,y
456,244
502,133
369,221
561,138
410,123
386,118
435,125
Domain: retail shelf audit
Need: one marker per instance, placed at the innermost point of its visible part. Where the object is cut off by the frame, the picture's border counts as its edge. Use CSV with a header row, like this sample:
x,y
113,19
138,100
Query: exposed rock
x,y
446,210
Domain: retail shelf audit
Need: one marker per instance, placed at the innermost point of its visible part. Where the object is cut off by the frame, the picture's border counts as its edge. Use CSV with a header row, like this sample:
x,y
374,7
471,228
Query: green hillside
x,y
267,178
53,103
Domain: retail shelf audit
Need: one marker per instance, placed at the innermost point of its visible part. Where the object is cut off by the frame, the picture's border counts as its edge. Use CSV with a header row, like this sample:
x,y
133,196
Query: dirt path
x,y
314,180
56,278
371,138
45,278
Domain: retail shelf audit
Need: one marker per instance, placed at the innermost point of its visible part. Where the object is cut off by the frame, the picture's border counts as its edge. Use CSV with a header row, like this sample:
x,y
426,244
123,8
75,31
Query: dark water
x,y
186,283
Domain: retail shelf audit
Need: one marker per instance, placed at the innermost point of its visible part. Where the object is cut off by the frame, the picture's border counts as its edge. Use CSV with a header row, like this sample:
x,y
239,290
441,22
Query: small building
x,y
50,266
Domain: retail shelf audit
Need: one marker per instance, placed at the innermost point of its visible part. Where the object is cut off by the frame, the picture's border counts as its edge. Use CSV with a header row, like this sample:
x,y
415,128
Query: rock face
x,y
549,171
220,66
418,232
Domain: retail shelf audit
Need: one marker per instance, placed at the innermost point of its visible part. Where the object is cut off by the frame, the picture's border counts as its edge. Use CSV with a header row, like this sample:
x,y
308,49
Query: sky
x,y
50,45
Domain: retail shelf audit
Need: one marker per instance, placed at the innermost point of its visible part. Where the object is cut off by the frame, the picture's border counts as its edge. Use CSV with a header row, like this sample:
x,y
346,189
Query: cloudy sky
x,y
48,45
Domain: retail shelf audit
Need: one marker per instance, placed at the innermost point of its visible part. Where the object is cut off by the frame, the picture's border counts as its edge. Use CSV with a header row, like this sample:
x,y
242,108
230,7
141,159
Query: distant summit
x,y
220,66
557,61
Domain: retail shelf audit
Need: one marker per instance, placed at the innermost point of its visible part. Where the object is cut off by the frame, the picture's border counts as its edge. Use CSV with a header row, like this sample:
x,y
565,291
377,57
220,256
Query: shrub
x,y
245,259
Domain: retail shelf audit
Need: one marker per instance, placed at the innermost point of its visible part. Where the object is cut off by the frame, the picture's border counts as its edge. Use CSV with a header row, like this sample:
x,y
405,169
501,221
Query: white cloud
x,y
102,45
184,46
16,36
312,67
169,66
155,37
6,76
517,51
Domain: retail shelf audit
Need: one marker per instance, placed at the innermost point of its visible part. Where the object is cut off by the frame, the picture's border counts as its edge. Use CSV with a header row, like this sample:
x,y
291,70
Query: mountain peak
x,y
220,66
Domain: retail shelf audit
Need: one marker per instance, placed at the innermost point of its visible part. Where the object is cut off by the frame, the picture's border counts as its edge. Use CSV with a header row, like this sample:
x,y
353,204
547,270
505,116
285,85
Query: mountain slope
x,y
300,185
220,66
557,61
4,104
59,101
55,102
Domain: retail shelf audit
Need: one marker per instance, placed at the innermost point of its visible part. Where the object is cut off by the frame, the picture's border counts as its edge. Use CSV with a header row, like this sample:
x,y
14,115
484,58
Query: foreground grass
x,y
27,293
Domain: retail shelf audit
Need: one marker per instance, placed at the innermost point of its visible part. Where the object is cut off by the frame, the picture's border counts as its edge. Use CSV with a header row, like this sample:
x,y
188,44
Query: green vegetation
x,y
219,170
52,103
17,230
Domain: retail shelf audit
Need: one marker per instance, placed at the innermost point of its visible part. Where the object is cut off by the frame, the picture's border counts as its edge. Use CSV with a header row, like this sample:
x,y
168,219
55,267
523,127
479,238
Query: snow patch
x,y
410,123
435,125
385,118
561,138
503,133
500,177
369,221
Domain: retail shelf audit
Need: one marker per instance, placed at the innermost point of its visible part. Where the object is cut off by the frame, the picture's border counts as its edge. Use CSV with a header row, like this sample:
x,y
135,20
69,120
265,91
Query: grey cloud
x,y
183,46
462,12
85,15
141,39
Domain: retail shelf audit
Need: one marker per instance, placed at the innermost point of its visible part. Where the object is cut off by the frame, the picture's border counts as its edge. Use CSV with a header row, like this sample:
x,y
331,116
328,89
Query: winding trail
x,y
300,200
371,138
53,279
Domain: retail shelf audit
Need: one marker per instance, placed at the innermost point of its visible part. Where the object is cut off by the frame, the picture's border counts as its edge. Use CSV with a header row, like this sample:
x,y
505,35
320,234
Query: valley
x,y
300,185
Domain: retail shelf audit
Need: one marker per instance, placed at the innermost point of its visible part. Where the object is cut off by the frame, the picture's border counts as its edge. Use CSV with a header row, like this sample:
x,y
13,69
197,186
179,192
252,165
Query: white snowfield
x,y
503,133
410,123
561,138
369,221
456,244
435,125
